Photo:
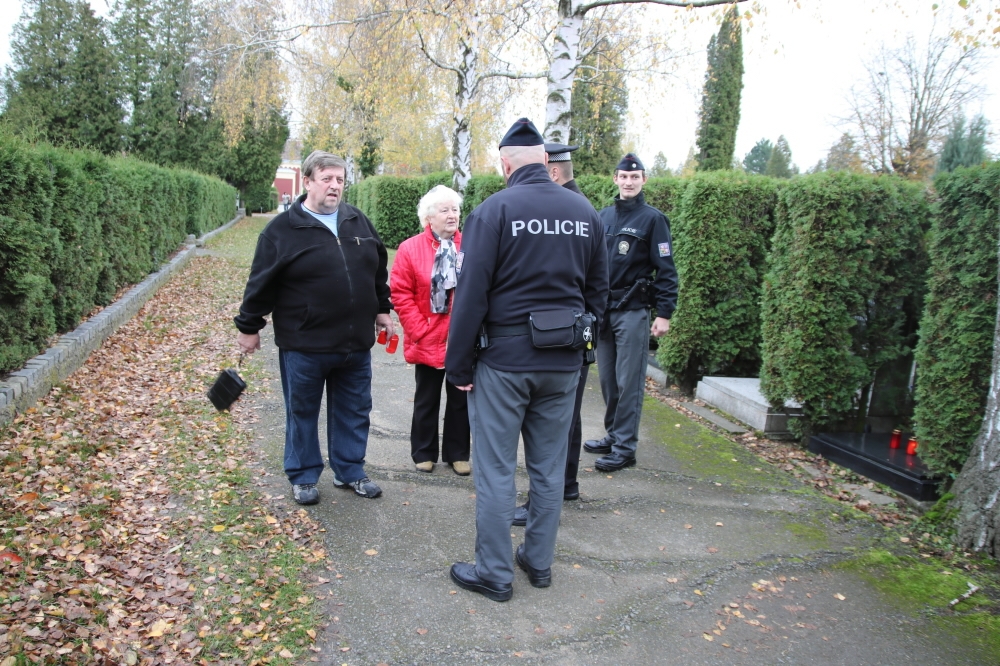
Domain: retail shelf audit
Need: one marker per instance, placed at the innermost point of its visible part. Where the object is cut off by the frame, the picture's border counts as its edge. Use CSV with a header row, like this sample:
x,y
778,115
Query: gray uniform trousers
x,y
539,406
621,363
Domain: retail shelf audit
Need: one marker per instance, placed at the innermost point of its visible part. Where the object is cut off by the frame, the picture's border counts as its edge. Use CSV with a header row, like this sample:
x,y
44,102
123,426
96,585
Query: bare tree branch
x,y
583,9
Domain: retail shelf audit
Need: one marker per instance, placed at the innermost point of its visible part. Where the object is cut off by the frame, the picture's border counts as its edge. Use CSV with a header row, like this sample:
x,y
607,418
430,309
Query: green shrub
x,y
722,228
664,193
261,198
600,190
955,351
841,297
479,189
76,227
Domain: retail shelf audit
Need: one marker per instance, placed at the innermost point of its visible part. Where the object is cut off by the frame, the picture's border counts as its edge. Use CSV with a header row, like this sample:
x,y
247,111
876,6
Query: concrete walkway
x,y
702,554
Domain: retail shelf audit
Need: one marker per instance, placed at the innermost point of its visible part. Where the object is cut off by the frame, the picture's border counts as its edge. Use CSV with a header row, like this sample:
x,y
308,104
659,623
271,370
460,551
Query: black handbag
x,y
227,388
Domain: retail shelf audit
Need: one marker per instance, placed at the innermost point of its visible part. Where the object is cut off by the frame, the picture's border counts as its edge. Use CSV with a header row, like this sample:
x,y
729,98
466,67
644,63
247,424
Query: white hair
x,y
435,197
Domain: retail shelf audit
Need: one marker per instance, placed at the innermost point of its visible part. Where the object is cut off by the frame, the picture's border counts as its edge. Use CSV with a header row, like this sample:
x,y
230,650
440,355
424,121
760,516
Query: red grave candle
x,y
896,439
911,447
393,343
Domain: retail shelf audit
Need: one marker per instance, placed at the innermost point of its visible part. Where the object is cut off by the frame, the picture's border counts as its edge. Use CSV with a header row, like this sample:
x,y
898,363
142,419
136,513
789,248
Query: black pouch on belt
x,y
553,329
227,388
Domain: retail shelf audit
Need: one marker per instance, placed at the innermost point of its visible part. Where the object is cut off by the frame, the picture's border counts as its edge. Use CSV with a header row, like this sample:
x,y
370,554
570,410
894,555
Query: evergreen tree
x,y
720,100
844,155
779,165
63,83
254,160
599,107
963,148
756,160
659,166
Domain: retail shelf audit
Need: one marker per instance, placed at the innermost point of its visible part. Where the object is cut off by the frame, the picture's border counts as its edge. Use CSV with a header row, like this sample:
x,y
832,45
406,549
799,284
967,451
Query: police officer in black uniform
x,y
641,264
560,165
532,258
560,168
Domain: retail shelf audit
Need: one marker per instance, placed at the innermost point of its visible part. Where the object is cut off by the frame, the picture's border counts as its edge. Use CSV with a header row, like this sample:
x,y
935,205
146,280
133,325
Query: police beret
x,y
630,163
522,133
559,152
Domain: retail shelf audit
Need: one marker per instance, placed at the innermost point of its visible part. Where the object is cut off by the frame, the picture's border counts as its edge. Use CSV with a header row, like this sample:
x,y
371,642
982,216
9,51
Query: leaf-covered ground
x,y
130,529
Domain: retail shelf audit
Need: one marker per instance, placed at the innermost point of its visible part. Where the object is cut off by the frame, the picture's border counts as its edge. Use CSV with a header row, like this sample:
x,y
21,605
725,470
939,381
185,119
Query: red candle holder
x,y
896,440
911,447
393,343
381,337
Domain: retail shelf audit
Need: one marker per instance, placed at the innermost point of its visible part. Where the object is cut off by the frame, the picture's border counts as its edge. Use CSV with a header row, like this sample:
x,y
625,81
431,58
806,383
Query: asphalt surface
x,y
675,561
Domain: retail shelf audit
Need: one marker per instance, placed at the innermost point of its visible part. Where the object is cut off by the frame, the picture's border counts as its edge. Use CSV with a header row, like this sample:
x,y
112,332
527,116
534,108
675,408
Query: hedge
x,y
390,202
722,228
842,296
955,352
76,227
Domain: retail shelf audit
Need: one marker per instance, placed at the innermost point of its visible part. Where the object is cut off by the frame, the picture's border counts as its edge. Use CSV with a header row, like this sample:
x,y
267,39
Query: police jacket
x,y
324,290
639,246
572,187
531,247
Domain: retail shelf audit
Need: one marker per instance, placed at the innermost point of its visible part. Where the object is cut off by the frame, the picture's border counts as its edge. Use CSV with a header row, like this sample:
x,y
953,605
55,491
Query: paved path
x,y
644,572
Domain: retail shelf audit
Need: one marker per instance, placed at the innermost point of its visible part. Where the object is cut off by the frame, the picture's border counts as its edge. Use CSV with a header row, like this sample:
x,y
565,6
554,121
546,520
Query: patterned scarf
x,y
443,277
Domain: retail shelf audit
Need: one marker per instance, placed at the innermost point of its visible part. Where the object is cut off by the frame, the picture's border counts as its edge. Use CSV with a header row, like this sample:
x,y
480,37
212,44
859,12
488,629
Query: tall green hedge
x,y
955,351
75,227
722,230
842,296
390,202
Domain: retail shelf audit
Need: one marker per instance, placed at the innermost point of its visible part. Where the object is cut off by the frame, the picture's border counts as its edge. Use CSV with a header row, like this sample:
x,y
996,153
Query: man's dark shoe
x,y
466,577
601,446
305,493
537,577
614,462
363,487
521,512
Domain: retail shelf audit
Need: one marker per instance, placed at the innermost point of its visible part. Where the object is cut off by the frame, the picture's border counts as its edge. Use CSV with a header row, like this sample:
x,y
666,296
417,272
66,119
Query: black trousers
x,y
426,412
575,437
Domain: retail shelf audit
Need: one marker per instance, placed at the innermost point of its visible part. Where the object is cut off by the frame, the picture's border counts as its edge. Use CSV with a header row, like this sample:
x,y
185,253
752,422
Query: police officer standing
x,y
560,165
641,265
532,259
560,168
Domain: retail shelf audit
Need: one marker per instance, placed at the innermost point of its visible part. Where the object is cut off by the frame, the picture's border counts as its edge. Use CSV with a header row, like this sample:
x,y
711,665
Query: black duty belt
x,y
500,331
616,294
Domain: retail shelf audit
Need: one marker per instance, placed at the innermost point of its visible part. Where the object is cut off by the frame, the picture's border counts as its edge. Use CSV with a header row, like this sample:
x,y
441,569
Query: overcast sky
x,y
800,64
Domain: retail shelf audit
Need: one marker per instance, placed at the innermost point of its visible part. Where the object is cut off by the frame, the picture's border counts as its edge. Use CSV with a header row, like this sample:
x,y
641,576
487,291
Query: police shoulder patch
x,y
664,249
459,261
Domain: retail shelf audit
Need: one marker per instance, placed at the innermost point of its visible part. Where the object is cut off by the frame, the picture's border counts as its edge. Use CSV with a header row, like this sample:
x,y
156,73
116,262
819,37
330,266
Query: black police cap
x,y
560,152
630,163
522,133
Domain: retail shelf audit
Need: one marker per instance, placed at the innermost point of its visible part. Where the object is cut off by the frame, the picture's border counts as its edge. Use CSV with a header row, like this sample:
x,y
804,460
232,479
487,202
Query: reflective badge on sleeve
x,y
664,249
459,261
623,247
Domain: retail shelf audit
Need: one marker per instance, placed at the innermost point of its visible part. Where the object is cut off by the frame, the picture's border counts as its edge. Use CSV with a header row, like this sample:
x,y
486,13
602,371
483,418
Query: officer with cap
x,y
561,165
560,170
642,274
532,258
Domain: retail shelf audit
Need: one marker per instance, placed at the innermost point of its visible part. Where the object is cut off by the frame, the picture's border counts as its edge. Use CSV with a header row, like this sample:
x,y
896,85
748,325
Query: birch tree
x,y
568,50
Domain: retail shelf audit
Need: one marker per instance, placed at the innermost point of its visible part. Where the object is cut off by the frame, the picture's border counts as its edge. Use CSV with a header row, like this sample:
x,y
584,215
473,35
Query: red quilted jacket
x,y
425,334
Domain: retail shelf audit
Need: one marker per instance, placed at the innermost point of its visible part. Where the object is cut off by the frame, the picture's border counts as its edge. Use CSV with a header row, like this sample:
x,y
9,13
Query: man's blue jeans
x,y
347,379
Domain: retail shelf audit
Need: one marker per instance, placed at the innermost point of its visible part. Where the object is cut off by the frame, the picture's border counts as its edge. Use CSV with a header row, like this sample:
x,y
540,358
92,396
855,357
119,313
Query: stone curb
x,y
24,387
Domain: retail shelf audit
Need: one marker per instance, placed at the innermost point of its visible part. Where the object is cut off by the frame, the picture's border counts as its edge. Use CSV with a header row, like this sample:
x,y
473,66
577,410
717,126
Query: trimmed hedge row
x,y
843,293
954,356
722,228
75,227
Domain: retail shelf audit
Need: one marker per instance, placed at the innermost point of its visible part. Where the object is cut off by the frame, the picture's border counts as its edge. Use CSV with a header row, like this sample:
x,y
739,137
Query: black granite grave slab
x,y
869,454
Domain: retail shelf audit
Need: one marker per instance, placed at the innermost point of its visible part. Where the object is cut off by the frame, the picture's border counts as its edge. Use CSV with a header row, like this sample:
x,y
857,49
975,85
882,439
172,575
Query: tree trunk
x,y
562,71
465,92
977,488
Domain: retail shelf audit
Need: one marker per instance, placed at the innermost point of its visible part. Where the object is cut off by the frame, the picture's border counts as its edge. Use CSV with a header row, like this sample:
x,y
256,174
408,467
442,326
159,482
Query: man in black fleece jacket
x,y
320,268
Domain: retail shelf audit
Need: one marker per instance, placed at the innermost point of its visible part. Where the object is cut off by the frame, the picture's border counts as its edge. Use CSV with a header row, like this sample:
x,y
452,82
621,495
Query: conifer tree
x,y
599,107
963,148
844,155
720,100
63,85
779,165
756,160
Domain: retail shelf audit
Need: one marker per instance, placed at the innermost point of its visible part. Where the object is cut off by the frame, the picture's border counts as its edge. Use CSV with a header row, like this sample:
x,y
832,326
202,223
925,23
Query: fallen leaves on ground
x,y
134,533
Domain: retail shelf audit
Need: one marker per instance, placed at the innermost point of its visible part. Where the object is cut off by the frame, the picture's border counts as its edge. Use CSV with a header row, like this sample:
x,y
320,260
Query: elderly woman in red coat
x,y
422,283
